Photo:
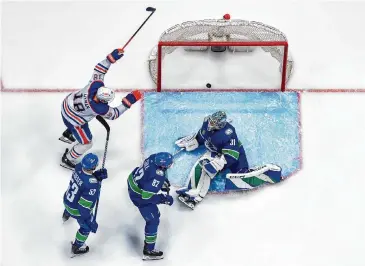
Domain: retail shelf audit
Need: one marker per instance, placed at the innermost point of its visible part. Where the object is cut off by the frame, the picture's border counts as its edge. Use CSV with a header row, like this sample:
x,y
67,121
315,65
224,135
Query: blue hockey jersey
x,y
82,194
224,141
145,182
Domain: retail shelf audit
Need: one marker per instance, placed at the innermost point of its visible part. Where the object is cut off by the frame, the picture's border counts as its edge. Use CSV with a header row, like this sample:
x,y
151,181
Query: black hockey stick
x,y
107,127
148,9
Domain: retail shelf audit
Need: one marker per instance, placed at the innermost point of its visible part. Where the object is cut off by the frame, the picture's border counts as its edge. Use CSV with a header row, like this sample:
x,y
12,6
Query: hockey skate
x,y
66,163
67,137
77,251
151,255
185,198
65,216
188,201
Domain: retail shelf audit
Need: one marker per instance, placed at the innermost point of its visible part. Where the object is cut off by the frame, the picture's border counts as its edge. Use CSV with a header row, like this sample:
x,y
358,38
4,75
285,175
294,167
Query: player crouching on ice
x,y
82,106
144,183
225,151
80,199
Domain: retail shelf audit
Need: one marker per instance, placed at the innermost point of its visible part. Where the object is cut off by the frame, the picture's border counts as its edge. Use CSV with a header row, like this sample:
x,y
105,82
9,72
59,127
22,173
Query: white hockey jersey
x,y
82,106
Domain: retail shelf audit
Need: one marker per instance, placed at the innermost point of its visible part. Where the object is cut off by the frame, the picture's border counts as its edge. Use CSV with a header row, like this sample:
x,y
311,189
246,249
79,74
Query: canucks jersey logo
x,y
229,131
159,172
210,146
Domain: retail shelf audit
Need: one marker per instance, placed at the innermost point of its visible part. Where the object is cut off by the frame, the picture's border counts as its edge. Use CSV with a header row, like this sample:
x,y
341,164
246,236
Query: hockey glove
x,y
166,186
131,98
93,225
101,174
115,55
166,199
190,143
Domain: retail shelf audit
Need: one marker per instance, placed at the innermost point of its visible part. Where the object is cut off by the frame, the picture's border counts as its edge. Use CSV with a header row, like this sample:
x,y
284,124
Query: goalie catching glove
x,y
190,143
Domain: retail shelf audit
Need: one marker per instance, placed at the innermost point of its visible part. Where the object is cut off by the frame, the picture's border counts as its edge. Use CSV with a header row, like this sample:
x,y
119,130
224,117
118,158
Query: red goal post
x,y
162,44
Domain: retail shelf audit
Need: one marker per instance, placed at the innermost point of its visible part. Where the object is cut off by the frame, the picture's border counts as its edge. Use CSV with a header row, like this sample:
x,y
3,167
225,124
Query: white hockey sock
x,y
78,150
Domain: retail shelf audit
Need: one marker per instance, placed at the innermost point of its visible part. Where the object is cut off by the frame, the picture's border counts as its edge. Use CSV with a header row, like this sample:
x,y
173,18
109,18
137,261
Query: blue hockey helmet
x,y
163,159
216,121
90,161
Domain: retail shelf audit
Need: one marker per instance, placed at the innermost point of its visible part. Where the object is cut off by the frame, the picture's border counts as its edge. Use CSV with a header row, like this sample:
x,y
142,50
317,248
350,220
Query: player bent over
x,y
224,151
78,108
144,183
80,199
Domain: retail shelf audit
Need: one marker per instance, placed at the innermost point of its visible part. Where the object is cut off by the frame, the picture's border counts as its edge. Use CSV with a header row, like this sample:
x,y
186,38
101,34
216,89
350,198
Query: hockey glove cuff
x,y
131,98
115,55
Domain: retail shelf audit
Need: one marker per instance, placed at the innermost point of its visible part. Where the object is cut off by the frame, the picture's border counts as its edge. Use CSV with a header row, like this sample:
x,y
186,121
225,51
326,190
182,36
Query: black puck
x,y
208,85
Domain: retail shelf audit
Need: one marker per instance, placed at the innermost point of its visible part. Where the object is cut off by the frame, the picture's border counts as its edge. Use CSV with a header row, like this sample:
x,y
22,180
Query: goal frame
x,y
161,44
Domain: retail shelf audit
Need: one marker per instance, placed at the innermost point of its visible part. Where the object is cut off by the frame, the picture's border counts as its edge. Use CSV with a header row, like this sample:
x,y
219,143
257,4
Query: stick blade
x,y
151,9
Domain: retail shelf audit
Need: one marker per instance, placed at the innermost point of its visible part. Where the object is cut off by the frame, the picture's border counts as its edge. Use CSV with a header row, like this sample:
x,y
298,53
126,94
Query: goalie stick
x,y
256,171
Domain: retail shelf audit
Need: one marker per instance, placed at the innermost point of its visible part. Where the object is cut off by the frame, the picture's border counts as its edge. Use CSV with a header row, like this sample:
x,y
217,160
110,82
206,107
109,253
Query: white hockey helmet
x,y
105,94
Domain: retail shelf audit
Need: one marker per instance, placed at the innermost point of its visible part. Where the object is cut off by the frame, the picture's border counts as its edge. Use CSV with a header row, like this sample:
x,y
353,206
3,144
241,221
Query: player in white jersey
x,y
79,107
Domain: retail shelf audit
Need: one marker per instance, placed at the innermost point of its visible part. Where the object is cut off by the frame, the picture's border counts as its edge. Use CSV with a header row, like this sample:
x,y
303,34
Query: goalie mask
x,y
216,121
105,95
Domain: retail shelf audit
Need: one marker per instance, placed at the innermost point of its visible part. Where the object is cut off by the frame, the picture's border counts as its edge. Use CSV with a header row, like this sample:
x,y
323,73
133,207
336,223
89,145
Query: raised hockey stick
x,y
148,9
107,127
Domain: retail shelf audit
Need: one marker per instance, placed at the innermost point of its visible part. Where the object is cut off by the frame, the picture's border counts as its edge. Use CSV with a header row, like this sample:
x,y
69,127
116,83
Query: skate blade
x,y
146,257
67,167
72,255
186,202
66,140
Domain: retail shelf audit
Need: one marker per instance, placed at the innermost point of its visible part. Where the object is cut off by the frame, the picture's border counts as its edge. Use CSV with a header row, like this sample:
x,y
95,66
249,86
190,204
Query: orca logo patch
x,y
159,172
228,131
93,180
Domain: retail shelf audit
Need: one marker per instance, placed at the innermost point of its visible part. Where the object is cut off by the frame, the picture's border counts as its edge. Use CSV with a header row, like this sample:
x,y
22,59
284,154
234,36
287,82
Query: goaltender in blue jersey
x,y
224,151
144,184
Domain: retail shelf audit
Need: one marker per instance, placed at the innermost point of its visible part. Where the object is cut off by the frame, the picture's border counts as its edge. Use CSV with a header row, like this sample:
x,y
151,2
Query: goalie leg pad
x,y
199,180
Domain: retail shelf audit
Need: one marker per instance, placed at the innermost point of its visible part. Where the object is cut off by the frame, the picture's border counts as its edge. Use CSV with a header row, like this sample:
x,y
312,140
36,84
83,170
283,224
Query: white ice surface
x,y
314,218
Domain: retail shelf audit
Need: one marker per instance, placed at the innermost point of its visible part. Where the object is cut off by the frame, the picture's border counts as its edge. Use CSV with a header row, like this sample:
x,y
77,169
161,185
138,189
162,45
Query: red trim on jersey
x,y
101,69
83,136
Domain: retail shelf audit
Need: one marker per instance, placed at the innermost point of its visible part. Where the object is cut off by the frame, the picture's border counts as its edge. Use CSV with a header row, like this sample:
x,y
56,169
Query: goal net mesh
x,y
220,30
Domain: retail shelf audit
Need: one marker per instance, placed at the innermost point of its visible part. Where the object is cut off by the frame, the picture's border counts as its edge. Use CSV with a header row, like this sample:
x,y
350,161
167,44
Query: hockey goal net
x,y
220,35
